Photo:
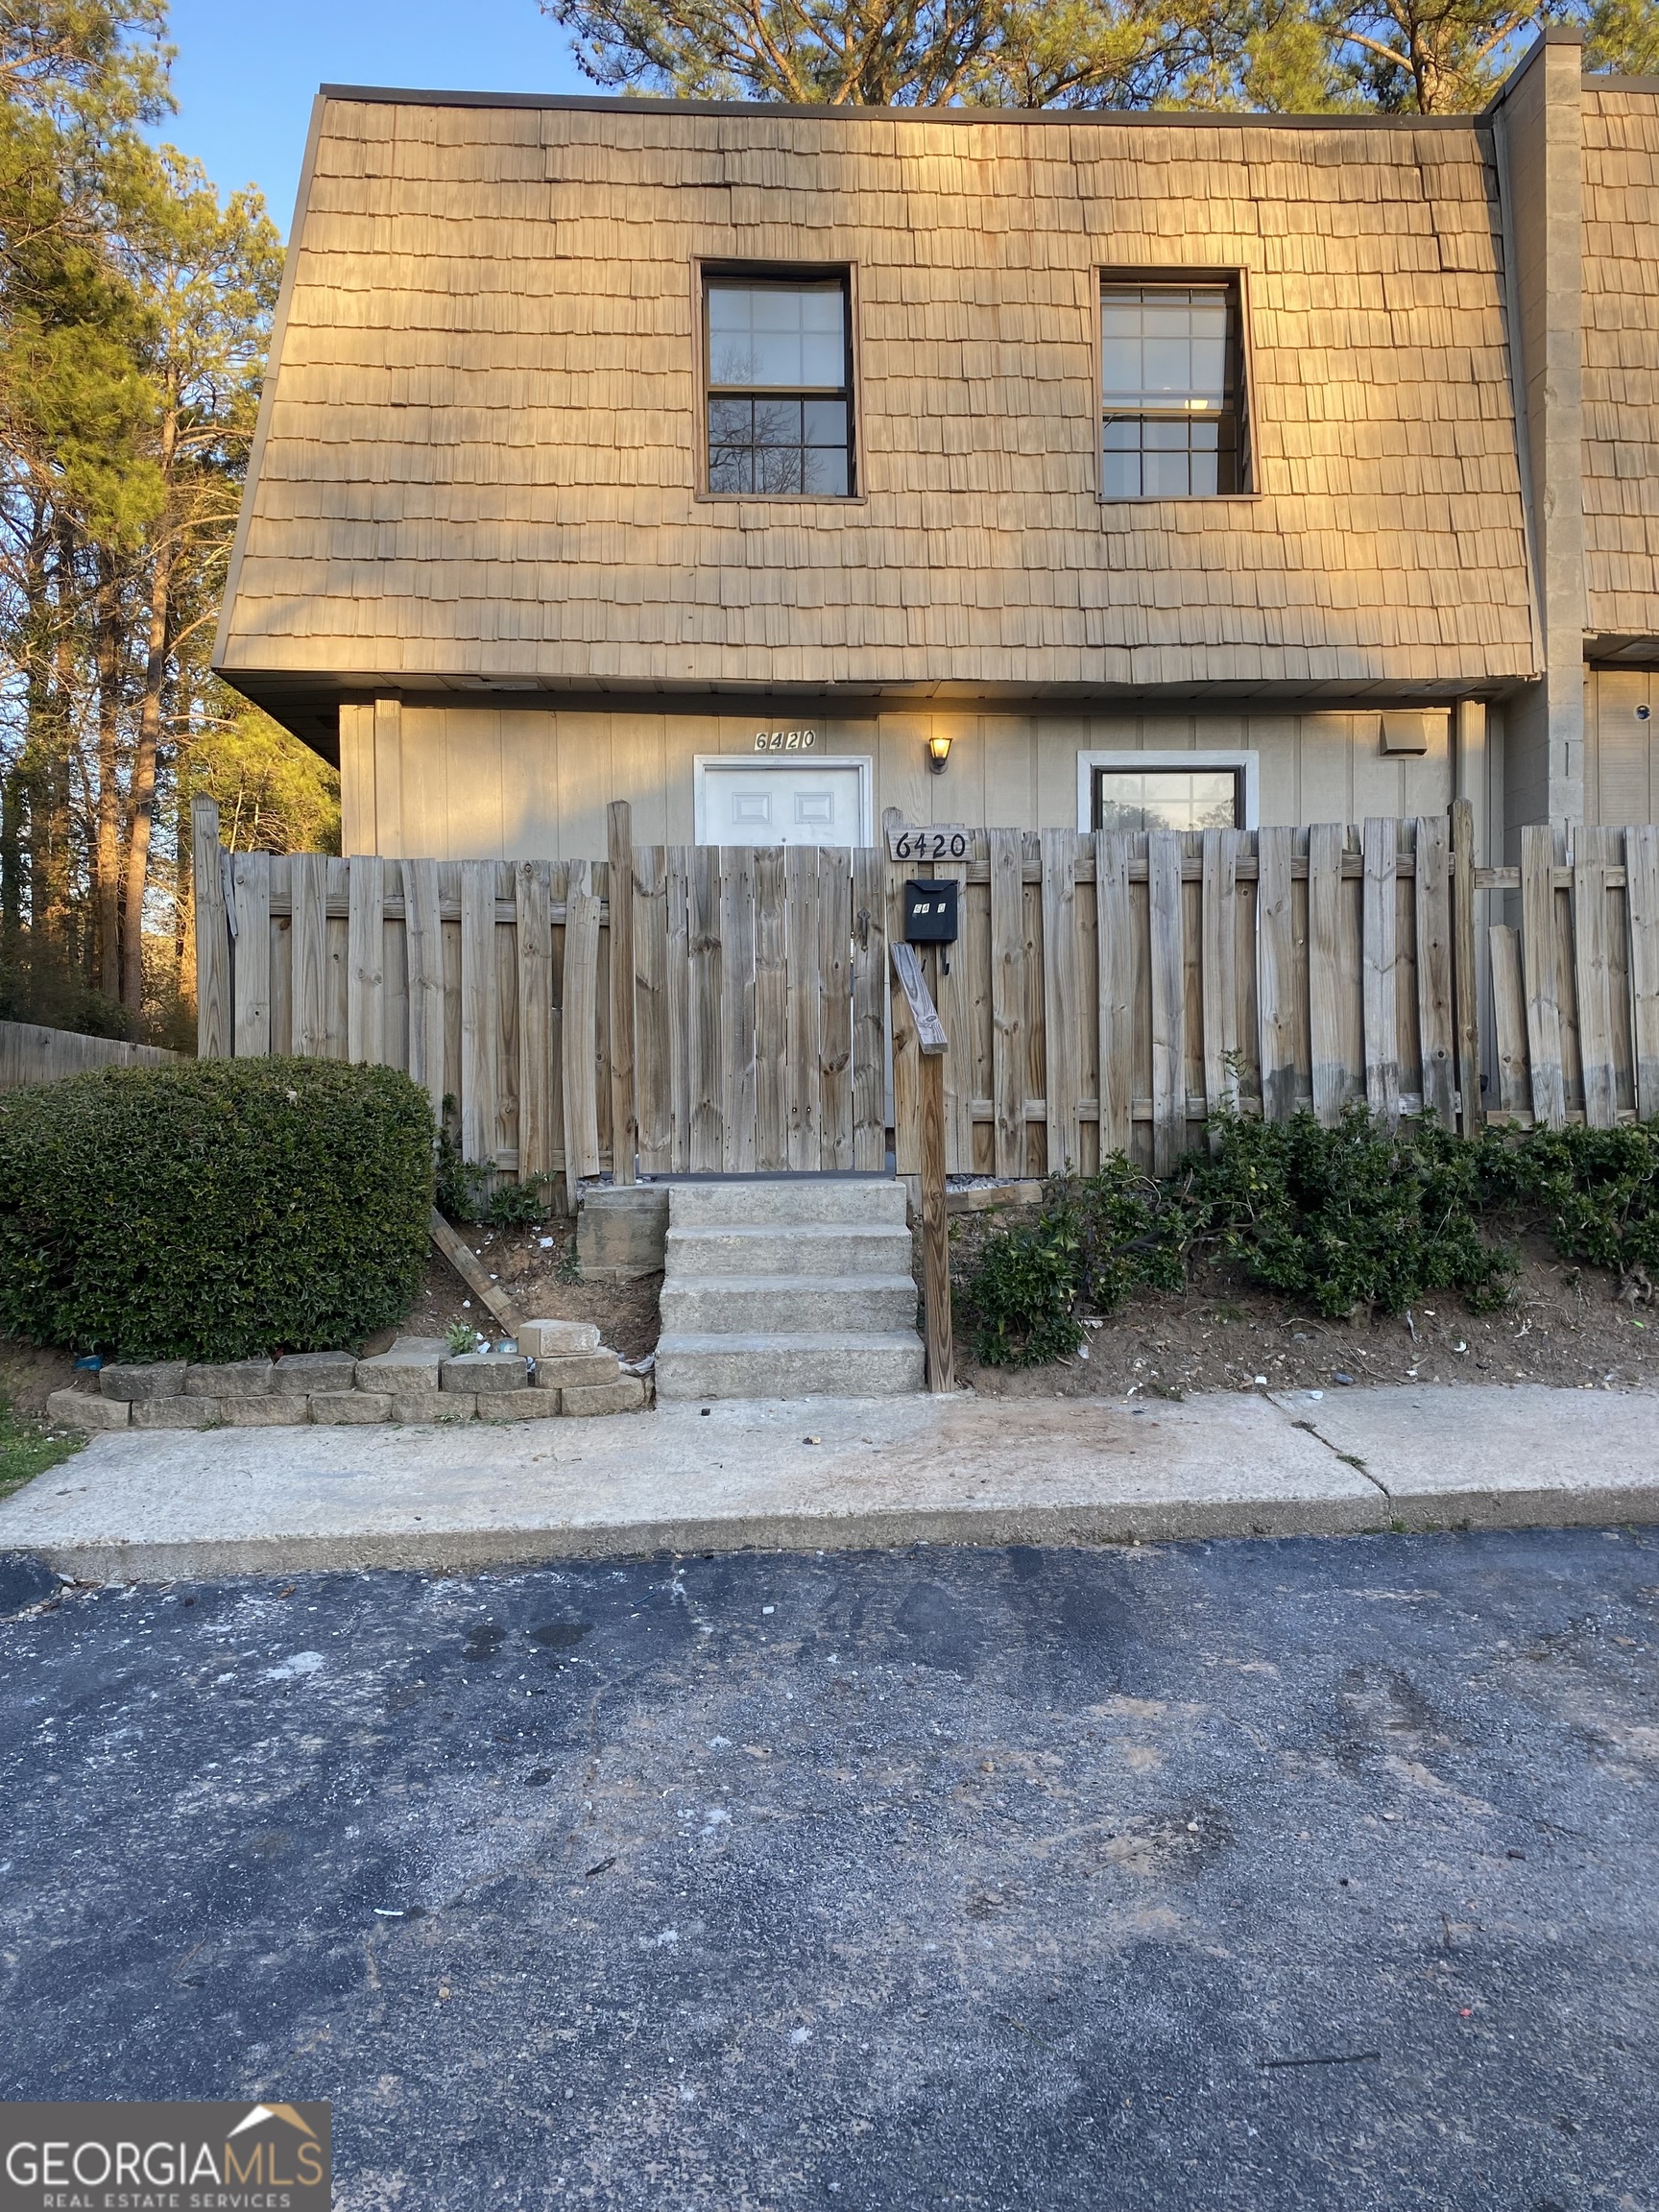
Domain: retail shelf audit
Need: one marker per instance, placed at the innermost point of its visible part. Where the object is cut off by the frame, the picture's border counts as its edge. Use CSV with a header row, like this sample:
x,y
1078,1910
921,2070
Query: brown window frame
x,y
782,275
1238,383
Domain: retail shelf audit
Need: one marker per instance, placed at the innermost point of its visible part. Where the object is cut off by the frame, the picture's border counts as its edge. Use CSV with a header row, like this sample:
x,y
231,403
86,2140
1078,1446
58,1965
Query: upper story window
x,y
780,388
1171,390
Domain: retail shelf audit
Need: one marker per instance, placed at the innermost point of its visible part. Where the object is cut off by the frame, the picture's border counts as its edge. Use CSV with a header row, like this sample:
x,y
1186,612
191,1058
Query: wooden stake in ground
x,y
476,1277
927,1038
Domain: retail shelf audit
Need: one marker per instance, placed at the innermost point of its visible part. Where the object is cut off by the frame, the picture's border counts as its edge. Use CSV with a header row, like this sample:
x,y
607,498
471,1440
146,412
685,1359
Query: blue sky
x,y
246,70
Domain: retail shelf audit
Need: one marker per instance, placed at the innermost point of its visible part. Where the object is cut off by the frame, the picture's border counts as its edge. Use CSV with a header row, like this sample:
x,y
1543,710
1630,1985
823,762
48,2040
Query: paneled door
x,y
788,801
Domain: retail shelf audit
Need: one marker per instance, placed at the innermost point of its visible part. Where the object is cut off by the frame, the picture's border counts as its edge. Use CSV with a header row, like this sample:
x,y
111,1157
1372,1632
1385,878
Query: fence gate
x,y
758,1009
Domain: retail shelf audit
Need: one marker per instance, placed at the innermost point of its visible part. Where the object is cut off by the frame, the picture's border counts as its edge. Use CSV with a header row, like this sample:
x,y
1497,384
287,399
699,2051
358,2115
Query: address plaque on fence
x,y
917,842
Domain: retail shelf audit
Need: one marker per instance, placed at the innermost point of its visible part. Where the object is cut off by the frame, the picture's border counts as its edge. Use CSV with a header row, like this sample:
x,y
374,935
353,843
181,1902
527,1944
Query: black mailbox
x,y
930,913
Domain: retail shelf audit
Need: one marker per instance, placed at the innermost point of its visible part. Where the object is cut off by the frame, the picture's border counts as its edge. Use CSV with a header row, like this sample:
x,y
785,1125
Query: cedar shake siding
x,y
482,457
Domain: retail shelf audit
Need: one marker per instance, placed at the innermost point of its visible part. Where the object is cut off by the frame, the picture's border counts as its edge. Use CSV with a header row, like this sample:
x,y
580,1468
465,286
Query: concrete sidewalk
x,y
814,1474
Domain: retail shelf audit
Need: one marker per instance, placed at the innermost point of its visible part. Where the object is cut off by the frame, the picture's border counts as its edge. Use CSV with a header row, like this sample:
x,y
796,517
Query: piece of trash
x,y
1082,1351
1342,1377
1315,1393
466,1301
89,1365
1459,1347
1261,1378
704,1410
810,1440
1467,2012
799,2034
1191,1827
768,1609
389,1912
547,1243
604,1867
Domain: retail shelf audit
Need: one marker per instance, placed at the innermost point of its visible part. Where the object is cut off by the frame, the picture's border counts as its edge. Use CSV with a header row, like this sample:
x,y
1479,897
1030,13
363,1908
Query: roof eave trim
x,y
1156,118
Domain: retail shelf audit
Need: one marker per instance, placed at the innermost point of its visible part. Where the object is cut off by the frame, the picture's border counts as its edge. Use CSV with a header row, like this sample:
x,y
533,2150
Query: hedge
x,y
218,1210
1340,1219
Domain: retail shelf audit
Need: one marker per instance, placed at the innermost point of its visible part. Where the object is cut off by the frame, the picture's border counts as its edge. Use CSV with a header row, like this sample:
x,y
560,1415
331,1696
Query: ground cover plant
x,y
214,1209
27,1450
1342,1220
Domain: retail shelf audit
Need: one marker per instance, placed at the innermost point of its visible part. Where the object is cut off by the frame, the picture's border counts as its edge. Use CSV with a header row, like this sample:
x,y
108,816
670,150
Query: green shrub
x,y
1131,1233
1349,1215
1595,1190
213,1211
1020,1293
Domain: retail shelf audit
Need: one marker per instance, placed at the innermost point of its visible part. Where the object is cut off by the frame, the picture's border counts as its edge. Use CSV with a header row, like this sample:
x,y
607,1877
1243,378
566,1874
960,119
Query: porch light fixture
x,y
938,752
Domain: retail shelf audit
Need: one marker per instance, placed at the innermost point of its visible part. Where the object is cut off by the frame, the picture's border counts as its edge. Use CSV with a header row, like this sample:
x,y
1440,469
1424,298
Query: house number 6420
x,y
786,740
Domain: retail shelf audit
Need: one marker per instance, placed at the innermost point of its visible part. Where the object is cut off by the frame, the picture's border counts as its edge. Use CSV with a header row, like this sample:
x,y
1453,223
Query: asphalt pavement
x,y
1301,1872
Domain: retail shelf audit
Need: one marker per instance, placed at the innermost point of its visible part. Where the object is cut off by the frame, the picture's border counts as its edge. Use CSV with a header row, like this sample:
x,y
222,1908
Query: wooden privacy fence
x,y
32,1054
1110,991
1575,986
727,1016
732,1012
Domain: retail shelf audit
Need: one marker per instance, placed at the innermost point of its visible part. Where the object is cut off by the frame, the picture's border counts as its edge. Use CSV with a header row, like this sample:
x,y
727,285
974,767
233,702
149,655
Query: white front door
x,y
745,801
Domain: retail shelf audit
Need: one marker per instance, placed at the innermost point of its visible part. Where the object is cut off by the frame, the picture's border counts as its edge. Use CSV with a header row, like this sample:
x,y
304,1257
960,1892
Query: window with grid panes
x,y
1132,798
1171,390
780,391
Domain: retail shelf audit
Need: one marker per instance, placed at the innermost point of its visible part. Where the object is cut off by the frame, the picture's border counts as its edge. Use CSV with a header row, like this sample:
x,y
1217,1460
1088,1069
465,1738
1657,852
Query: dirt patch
x,y
30,1374
536,1267
1563,1325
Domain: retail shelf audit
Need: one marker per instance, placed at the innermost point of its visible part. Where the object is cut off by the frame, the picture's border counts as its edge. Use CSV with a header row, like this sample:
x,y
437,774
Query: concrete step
x,y
885,1363
798,1248
712,1304
787,1201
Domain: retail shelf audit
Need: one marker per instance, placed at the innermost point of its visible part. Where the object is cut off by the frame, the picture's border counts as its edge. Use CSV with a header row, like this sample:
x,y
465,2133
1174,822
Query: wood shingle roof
x,y
1621,357
479,458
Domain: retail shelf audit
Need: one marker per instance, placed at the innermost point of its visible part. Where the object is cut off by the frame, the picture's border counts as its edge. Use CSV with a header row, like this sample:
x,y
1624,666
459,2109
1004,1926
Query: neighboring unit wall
x,y
517,782
1621,358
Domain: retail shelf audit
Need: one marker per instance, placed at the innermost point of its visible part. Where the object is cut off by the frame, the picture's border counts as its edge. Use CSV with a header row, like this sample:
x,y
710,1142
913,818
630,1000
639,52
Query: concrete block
x,y
268,1412
233,1378
558,1339
136,1382
517,1404
349,1409
433,1405
623,1396
483,1371
177,1413
403,1374
586,1372
80,1410
308,1371
420,1347
620,1233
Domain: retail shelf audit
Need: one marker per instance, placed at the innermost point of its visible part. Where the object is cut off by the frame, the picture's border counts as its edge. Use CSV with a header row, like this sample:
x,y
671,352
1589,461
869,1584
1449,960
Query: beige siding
x,y
481,783
481,451
1620,779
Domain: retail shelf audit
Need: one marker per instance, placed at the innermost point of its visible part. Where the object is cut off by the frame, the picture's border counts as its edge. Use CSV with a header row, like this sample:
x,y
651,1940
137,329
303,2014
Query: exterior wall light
x,y
938,752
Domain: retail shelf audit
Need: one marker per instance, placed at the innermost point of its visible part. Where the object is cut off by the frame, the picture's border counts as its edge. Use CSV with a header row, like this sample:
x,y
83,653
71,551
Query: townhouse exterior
x,y
771,467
